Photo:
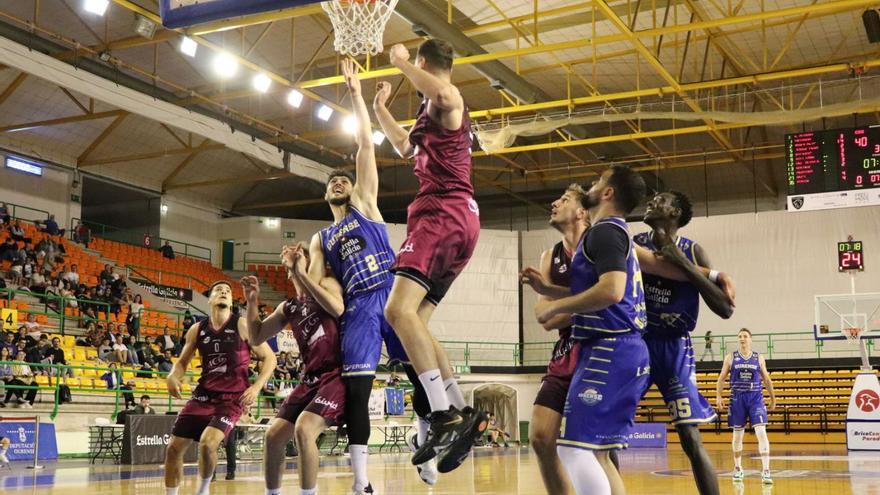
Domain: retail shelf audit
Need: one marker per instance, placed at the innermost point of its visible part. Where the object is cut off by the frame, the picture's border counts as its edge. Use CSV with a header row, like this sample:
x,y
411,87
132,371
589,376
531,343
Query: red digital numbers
x,y
849,256
861,142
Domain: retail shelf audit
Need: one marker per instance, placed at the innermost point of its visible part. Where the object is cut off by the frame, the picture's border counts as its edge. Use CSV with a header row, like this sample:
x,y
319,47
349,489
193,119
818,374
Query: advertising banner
x,y
145,439
21,440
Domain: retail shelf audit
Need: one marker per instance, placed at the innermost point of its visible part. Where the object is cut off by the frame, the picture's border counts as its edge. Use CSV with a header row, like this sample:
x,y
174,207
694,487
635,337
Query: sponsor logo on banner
x,y
164,291
650,435
797,202
830,200
22,439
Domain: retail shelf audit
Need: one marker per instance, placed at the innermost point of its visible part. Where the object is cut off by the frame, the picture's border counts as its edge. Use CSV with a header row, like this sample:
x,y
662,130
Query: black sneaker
x,y
475,423
230,475
446,427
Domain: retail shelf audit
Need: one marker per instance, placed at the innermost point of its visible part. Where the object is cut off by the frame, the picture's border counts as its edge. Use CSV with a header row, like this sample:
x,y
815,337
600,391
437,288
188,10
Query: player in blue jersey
x,y
748,373
357,249
607,304
672,308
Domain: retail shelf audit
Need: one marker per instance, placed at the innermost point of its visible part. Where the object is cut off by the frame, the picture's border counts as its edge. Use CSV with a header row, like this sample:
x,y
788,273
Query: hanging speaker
x,y
871,18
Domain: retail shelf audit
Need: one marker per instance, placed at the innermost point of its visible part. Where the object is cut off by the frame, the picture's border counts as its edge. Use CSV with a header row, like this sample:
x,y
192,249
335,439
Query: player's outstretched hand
x,y
726,284
719,403
351,80
383,92
287,258
249,396
251,286
398,54
533,278
173,386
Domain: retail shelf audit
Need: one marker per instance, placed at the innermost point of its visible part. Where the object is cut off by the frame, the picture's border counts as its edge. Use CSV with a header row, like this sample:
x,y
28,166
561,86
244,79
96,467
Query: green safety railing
x,y
18,212
140,269
259,258
136,238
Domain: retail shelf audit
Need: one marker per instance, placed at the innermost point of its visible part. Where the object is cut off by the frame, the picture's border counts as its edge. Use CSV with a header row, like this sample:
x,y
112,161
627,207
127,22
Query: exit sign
x,y
290,235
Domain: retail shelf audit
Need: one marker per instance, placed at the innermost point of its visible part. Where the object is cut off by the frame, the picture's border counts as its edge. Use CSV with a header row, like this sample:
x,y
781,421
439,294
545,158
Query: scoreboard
x,y
850,256
833,169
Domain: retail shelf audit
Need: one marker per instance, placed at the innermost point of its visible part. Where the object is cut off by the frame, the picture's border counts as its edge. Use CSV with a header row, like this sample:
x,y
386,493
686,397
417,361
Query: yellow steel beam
x,y
61,121
185,163
231,180
13,86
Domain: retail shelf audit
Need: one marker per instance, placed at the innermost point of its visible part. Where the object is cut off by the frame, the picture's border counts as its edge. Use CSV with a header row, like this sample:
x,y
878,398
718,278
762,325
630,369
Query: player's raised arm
x,y
722,377
178,370
328,293
672,264
397,135
442,93
366,188
765,375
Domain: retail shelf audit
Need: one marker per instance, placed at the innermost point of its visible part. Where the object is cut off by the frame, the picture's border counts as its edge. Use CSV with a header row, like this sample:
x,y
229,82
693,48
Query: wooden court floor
x,y
797,470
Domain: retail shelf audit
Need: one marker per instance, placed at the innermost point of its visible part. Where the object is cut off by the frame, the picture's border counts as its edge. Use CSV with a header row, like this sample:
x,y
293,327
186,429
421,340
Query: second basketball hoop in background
x,y
358,25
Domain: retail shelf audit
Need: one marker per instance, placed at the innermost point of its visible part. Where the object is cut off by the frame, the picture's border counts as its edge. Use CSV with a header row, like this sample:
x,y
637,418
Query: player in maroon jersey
x,y
223,391
319,400
443,224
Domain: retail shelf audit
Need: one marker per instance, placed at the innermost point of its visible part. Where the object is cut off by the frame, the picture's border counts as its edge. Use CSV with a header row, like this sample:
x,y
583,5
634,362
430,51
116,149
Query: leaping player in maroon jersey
x,y
318,401
223,391
443,224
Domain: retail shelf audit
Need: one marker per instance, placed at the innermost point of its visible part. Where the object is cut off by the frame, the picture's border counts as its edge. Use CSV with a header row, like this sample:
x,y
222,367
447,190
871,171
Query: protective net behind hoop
x,y
358,25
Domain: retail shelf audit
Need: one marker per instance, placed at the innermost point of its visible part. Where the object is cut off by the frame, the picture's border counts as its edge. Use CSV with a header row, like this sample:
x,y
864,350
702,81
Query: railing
x,y
135,238
259,258
140,269
17,211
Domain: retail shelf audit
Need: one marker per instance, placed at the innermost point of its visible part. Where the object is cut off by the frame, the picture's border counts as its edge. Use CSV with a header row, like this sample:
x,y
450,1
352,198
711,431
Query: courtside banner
x,y
164,291
650,435
21,440
146,436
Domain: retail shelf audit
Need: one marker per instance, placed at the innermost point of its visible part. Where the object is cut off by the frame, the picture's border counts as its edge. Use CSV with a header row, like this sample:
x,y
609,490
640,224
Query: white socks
x,y
763,446
738,447
303,491
456,398
171,491
422,427
359,455
435,390
584,470
271,491
204,486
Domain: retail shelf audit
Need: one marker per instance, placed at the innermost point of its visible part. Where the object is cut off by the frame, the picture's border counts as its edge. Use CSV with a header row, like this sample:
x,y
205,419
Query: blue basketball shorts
x,y
611,377
673,371
747,406
363,330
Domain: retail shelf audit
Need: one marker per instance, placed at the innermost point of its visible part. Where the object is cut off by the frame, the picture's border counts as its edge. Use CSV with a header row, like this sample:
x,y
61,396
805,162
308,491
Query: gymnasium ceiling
x,y
618,60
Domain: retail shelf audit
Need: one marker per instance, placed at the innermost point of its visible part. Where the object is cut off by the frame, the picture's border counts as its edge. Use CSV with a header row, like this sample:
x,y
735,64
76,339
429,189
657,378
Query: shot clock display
x,y
850,256
823,166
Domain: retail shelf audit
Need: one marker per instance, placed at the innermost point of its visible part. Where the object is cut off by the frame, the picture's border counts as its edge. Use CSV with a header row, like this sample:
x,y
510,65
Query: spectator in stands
x,y
105,350
82,234
111,377
269,390
167,342
32,329
90,338
17,232
65,291
120,350
22,377
165,362
72,276
56,355
106,275
281,366
132,352
8,249
50,226
5,370
149,358
393,380
285,386
88,315
144,407
16,271
39,284
9,343
127,395
4,213
709,340
133,320
167,250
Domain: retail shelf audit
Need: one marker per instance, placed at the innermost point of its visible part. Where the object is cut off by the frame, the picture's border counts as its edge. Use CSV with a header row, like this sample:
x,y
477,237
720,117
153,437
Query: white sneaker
x,y
738,475
427,470
368,490
26,406
765,477
4,459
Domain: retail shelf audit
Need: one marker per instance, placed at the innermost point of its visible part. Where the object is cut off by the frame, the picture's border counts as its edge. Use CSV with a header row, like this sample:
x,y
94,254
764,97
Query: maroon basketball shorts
x,y
441,235
554,385
323,395
220,411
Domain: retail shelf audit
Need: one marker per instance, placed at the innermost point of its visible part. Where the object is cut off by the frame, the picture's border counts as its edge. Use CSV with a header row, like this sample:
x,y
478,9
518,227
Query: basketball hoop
x,y
358,25
852,334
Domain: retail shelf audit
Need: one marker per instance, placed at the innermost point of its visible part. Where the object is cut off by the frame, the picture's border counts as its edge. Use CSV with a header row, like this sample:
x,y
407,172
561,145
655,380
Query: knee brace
x,y
763,441
738,435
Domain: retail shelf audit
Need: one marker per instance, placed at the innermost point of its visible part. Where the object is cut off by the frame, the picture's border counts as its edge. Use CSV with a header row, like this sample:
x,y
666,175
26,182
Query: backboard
x,y
836,312
184,13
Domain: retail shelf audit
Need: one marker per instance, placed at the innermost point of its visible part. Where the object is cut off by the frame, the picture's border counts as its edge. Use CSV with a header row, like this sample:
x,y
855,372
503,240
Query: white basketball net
x,y
852,334
358,25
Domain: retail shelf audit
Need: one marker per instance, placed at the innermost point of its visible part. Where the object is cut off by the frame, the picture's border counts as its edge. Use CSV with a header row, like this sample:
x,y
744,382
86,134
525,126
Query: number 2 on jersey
x,y
372,264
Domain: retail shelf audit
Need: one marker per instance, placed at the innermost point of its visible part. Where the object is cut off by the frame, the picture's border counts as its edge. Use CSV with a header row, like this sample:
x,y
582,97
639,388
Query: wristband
x,y
713,275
